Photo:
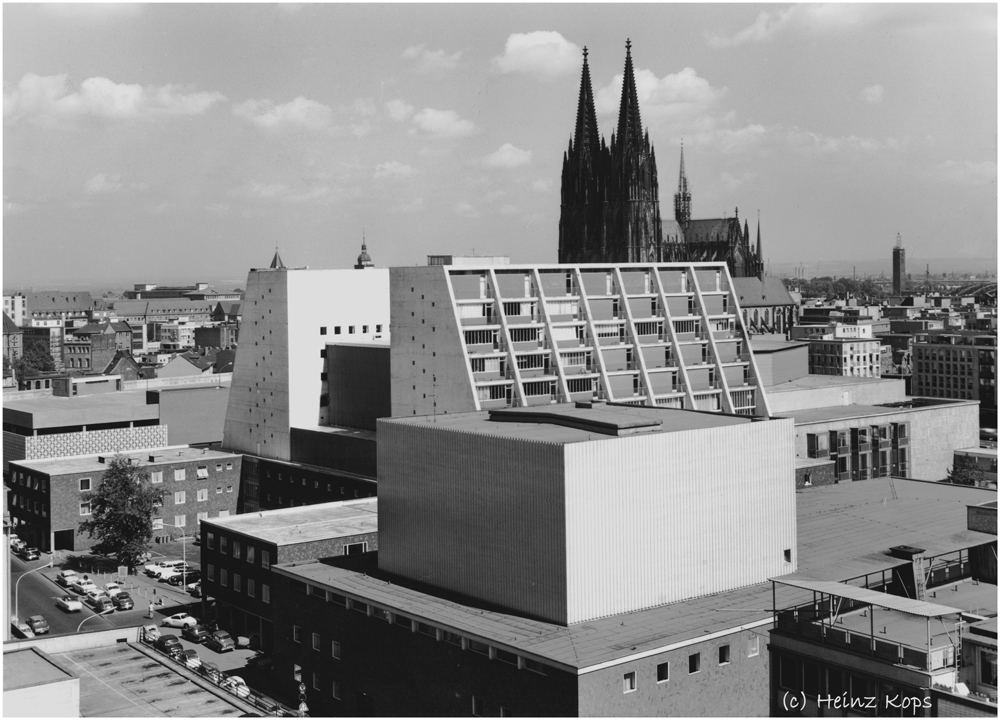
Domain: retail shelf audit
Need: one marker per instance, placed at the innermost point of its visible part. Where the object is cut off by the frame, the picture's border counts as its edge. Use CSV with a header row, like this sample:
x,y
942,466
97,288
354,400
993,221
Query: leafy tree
x,y
35,358
121,511
967,473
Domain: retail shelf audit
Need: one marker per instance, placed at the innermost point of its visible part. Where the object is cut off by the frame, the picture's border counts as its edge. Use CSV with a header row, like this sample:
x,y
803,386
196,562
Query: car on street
x,y
66,577
24,630
237,685
178,579
195,633
154,569
112,588
29,553
69,603
190,658
38,624
168,572
220,641
123,601
150,633
17,544
170,644
82,585
99,603
196,590
180,620
211,671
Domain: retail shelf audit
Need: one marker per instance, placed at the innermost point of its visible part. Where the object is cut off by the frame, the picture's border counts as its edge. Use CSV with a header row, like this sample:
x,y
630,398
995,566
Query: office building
x,y
853,357
960,365
16,308
469,338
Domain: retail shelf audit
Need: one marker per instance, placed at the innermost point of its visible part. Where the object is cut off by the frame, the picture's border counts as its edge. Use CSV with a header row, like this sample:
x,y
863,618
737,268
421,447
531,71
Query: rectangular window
x,y
203,495
211,573
322,330
316,685
223,545
317,643
478,706
296,633
335,650
179,498
229,488
157,523
724,655
694,663
663,672
218,467
250,554
223,577
251,588
479,647
156,477
378,328
236,549
628,682
237,585
180,521
202,471
265,559
753,647
179,474
229,466
350,330
202,516
218,489
336,685
988,667
364,329
265,593
84,484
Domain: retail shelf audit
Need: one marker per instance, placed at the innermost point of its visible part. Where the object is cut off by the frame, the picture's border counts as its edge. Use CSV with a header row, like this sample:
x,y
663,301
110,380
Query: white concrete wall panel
x,y
714,508
479,515
876,392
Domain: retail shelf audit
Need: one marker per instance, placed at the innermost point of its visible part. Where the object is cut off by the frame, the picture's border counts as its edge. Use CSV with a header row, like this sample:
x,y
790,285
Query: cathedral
x,y
610,198
611,209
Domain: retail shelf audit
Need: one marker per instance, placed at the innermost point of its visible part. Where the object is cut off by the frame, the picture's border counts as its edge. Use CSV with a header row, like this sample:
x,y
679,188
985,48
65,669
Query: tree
x,y
967,473
121,511
35,359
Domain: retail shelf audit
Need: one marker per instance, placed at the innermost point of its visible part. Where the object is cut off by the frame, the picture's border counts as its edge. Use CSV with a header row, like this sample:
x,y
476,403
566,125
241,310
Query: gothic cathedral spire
x,y
629,121
586,139
682,198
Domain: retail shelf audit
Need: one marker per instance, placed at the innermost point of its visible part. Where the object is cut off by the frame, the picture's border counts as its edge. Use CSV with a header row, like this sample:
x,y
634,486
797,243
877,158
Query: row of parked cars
x,y
100,600
22,549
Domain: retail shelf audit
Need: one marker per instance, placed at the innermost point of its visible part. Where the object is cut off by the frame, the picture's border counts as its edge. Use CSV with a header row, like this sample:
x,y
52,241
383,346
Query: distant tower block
x,y
899,266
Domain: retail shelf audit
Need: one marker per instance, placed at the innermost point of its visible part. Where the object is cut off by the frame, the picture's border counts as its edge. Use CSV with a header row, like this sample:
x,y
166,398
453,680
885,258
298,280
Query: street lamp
x,y
103,612
43,567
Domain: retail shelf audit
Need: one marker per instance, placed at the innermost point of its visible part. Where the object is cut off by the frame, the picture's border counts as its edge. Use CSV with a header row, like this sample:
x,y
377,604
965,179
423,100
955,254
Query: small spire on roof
x,y
277,263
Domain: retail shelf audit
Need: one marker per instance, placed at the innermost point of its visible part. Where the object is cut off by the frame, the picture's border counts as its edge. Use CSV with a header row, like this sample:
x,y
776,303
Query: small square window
x,y
350,330
724,655
322,331
478,706
694,663
229,466
336,329
788,555
753,647
663,672
336,690
364,329
218,467
156,477
378,328
316,685
317,643
265,593
85,508
335,649
218,489
296,633
628,682
84,484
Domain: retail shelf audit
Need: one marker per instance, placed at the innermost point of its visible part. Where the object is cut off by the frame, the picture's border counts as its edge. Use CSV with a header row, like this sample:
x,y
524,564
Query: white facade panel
x,y
659,518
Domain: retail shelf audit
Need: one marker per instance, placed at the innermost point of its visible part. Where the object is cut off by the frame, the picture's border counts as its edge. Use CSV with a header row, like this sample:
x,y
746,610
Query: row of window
x,y
39,508
350,329
629,683
237,550
251,584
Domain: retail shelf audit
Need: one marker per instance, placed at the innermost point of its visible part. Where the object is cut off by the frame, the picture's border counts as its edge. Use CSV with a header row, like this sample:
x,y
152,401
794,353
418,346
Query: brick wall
x,y
824,474
284,485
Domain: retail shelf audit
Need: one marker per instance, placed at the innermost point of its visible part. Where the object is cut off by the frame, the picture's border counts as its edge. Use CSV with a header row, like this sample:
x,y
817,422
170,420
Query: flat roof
x,y
51,411
90,463
979,452
567,423
30,667
833,413
813,382
774,343
844,531
906,605
308,523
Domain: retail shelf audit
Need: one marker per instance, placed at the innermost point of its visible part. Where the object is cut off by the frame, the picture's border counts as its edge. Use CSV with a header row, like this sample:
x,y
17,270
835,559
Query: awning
x,y
871,597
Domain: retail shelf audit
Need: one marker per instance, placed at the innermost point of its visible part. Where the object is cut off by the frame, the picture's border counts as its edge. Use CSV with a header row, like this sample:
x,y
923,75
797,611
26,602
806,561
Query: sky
x,y
170,143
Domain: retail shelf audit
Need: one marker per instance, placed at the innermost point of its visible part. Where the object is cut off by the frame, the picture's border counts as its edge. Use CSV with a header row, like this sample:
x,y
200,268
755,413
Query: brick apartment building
x,y
48,498
962,365
238,552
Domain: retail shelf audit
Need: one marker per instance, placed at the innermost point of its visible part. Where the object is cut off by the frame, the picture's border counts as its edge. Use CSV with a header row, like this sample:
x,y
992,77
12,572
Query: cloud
x,y
412,206
399,110
818,142
300,113
543,53
541,185
680,94
393,170
49,99
508,210
464,209
817,19
966,172
428,61
102,183
734,181
281,192
873,94
443,123
507,157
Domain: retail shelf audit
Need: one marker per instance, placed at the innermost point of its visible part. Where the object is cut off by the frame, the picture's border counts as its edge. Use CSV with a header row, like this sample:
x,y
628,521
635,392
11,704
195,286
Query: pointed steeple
x,y
276,263
760,251
586,138
682,198
629,122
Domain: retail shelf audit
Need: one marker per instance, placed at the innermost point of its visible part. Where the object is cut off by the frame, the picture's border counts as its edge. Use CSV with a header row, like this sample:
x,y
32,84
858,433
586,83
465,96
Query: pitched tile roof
x,y
754,292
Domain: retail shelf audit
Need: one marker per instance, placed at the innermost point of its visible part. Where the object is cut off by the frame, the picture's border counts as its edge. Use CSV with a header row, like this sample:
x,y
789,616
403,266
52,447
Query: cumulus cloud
x,y
393,170
873,94
103,183
49,98
818,142
545,54
507,157
399,110
676,95
818,18
428,61
281,192
443,123
966,172
300,113
464,209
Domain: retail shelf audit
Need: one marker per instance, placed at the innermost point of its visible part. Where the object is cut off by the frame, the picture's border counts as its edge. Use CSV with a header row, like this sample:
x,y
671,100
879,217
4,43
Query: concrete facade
x,y
826,391
845,356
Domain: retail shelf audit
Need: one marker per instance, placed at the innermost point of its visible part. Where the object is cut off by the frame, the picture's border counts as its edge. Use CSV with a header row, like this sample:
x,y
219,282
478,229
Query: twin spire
x,y
586,138
629,122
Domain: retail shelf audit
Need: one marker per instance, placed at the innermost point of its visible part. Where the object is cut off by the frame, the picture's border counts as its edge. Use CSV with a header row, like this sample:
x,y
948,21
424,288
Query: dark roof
x,y
53,301
162,306
711,230
120,357
99,328
276,263
9,328
754,292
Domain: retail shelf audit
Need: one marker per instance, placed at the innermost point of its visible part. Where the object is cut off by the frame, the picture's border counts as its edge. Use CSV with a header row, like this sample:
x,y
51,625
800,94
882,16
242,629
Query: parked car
x,y
14,540
190,658
195,633
29,553
220,641
170,644
237,685
69,603
66,577
154,569
38,624
150,633
211,671
82,585
123,601
23,630
178,579
112,588
99,603
164,574
196,590
17,544
180,620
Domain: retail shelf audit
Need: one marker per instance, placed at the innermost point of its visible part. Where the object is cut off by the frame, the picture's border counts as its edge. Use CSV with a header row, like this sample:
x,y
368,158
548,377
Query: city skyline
x,y
148,142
